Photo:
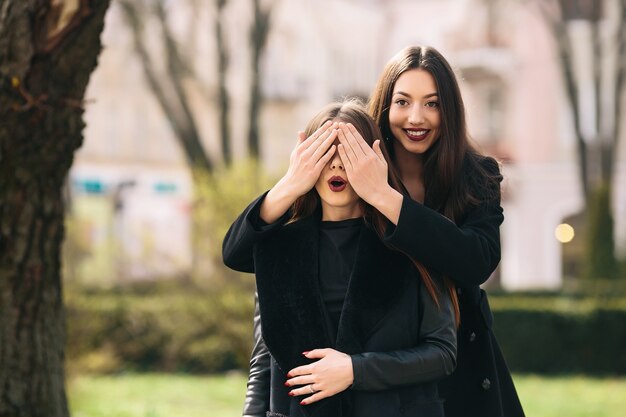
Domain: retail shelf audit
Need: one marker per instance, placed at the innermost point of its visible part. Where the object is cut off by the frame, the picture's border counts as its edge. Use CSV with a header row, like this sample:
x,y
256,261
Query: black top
x,y
338,245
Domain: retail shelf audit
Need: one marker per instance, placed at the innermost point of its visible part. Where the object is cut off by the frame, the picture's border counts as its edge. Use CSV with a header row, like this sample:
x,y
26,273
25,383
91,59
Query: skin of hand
x,y
367,170
306,163
331,374
309,158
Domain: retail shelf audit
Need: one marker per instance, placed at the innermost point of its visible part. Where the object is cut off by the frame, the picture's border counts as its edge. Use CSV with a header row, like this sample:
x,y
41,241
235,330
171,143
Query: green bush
x,y
182,328
562,335
175,330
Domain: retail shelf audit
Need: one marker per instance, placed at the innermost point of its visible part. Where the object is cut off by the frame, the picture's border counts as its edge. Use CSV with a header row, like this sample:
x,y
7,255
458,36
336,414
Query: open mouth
x,y
337,184
417,134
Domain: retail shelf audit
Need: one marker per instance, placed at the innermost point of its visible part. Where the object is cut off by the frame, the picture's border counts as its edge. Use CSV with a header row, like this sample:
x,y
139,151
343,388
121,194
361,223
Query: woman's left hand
x,y
331,374
365,166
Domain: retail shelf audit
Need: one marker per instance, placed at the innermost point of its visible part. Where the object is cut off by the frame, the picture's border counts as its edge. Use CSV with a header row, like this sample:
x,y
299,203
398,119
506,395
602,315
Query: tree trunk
x,y
223,98
258,40
45,64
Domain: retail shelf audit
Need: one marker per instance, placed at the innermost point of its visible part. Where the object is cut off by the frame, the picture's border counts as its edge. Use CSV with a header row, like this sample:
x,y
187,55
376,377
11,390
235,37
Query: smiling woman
x,y
350,326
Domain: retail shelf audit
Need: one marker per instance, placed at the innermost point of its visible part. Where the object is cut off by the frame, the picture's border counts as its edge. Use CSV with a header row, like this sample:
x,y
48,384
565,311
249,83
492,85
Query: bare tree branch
x,y
556,23
619,81
223,98
176,108
258,39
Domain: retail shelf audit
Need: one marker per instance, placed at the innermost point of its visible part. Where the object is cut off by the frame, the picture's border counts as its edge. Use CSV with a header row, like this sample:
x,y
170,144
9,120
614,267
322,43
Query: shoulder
x,y
483,176
481,165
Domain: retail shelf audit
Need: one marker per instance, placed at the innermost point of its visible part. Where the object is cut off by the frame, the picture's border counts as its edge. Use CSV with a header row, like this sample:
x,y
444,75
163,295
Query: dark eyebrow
x,y
408,95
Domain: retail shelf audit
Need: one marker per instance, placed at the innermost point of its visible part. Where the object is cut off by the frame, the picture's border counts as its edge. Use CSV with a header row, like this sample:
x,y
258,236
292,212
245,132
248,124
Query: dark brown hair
x,y
352,111
447,190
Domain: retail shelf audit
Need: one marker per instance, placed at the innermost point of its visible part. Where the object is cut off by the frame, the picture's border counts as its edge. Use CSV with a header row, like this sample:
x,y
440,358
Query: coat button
x,y
486,384
458,291
472,337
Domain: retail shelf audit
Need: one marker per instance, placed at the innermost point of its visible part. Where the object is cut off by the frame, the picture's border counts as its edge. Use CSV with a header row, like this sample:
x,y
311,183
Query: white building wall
x,y
319,50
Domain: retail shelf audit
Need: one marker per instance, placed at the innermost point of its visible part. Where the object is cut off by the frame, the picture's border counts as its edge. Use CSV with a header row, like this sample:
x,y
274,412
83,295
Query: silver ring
x,y
311,389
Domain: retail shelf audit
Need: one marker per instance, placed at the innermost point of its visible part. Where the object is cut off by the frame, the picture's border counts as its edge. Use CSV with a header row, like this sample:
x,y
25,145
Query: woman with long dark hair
x,y
351,326
449,217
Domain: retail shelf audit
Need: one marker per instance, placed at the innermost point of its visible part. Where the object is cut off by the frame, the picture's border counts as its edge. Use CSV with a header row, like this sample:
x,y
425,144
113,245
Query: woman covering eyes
x,y
351,326
447,217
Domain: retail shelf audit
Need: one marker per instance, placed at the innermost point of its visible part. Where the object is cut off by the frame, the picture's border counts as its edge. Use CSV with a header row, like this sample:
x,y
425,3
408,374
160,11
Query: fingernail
x,y
291,394
306,353
302,402
286,384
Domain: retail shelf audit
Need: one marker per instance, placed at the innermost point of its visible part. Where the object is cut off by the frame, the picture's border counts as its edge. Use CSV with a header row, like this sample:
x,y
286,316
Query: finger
x,y
315,135
317,353
299,380
347,164
300,370
320,395
348,148
324,145
378,151
301,137
355,139
324,159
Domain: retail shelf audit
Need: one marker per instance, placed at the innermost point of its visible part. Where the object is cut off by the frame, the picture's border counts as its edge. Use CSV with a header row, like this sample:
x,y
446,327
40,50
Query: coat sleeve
x,y
246,230
432,359
467,253
257,401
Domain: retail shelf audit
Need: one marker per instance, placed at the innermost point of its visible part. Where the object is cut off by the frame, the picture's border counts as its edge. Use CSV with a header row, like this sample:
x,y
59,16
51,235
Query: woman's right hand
x,y
309,158
306,163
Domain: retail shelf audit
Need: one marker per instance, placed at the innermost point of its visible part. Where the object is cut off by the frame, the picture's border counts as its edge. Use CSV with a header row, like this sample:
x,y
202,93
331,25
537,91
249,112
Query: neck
x,y
410,165
411,170
335,214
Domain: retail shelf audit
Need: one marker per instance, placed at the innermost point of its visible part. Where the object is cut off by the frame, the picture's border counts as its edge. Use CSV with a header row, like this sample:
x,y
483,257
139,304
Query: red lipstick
x,y
411,134
337,184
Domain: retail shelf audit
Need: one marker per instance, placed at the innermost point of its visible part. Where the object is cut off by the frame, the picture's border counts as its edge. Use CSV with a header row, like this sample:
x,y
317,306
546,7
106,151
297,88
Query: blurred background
x,y
155,319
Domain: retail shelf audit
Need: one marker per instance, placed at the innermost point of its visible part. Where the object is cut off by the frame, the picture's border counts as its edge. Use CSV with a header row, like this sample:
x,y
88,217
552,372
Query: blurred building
x,y
318,51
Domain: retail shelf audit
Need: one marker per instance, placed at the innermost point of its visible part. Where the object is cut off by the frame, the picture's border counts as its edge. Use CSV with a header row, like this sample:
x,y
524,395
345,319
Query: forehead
x,y
416,83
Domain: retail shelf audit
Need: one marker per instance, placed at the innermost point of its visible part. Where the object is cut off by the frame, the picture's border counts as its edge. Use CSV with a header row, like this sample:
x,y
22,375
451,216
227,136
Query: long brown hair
x,y
352,111
447,189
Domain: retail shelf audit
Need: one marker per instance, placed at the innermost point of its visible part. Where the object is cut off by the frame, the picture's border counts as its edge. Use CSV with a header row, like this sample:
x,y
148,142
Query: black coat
x,y
467,251
400,342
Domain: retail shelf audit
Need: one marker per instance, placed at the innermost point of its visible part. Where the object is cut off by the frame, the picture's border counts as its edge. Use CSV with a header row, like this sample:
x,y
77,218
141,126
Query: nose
x,y
336,163
416,116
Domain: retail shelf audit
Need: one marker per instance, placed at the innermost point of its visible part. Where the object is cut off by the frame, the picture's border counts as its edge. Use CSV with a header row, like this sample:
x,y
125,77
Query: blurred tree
x,y
258,39
167,85
47,53
597,152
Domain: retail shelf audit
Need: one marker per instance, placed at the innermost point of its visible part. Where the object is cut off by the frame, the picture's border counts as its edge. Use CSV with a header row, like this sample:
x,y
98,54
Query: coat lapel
x,y
292,314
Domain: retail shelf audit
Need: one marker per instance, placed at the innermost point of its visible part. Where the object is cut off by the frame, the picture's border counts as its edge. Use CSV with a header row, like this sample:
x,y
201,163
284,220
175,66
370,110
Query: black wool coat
x,y
400,342
467,252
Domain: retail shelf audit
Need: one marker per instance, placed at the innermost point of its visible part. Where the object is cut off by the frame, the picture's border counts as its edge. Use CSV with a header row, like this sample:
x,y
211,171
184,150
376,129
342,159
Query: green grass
x,y
156,395
575,396
161,395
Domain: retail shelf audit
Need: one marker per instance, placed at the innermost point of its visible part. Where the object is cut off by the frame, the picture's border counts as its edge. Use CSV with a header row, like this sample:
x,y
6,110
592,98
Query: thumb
x,y
377,149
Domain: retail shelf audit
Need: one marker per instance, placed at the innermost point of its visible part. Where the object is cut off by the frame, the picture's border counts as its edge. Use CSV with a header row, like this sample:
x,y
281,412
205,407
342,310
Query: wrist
x,y
285,191
389,202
